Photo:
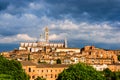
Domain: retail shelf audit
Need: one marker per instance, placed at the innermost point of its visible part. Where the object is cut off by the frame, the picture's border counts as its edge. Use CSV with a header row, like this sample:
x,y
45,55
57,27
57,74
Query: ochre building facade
x,y
47,71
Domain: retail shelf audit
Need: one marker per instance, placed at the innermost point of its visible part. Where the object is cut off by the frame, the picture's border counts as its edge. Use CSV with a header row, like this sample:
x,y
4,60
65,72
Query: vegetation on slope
x,y
80,71
11,70
119,57
109,75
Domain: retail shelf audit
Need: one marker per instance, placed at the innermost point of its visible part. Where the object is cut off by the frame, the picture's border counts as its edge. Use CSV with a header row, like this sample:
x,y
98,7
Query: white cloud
x,y
57,36
64,25
25,37
35,6
16,38
68,25
99,33
54,37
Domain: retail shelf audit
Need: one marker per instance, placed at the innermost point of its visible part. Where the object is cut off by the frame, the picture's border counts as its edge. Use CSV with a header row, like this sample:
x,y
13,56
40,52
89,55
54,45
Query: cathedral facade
x,y
42,44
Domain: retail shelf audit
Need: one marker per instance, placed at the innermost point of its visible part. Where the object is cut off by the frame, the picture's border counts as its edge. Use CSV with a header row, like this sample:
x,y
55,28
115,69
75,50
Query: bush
x,y
80,71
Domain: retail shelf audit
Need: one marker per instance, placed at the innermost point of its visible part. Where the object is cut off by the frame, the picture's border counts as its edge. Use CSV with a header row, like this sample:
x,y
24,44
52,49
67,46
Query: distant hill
x,y
8,47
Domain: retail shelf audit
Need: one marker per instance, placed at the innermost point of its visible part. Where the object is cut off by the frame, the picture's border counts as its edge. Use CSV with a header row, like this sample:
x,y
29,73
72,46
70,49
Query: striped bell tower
x,y
46,34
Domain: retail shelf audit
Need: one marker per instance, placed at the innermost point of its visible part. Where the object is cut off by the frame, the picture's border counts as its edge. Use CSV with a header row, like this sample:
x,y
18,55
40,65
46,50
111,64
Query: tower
x,y
46,34
41,38
65,43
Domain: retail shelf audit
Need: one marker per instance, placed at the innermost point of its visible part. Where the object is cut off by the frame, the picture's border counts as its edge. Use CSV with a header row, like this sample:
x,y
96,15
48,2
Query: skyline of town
x,y
12,46
46,59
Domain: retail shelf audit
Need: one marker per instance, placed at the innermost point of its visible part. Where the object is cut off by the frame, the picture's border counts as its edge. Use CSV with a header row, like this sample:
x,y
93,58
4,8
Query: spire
x,y
65,43
41,37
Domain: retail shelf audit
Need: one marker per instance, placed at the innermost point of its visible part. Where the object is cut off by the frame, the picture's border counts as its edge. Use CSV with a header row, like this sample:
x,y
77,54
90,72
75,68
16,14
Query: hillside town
x,y
47,58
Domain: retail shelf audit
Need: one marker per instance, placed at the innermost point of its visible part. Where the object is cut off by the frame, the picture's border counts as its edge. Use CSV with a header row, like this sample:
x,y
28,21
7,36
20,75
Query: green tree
x,y
80,71
58,61
12,69
108,74
111,75
5,77
40,78
29,57
117,75
119,57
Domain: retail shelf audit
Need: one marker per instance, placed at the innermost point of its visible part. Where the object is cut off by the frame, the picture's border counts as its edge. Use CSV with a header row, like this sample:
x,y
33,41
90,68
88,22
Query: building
x,y
99,67
47,71
99,56
114,67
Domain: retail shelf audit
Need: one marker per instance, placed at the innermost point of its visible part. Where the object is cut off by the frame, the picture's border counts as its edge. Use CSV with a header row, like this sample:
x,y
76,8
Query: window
x,y
51,76
29,70
89,53
33,70
46,75
51,70
55,76
33,77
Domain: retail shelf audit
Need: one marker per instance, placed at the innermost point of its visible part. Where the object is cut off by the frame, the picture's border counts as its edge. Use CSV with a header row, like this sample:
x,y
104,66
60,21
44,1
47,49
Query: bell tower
x,y
46,34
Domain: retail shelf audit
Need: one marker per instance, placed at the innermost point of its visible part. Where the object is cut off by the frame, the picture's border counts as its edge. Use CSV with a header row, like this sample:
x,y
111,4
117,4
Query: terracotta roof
x,y
115,64
52,65
68,48
43,65
27,63
100,58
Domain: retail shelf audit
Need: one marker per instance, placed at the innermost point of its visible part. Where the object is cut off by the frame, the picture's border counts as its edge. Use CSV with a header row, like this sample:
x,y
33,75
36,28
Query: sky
x,y
82,22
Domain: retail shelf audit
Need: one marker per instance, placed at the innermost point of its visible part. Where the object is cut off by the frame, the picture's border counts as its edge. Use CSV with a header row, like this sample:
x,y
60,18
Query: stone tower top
x,y
46,29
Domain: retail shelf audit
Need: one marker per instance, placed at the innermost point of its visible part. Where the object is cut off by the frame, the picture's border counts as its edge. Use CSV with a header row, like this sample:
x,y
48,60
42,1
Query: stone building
x,y
47,71
99,56
114,67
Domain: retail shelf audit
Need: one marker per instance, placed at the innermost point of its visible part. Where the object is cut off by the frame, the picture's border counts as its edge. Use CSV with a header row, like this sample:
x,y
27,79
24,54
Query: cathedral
x,y
42,44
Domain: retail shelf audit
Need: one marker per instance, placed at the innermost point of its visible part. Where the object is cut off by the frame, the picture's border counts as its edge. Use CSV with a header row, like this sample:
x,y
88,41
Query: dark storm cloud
x,y
9,31
80,10
103,10
15,2
13,6
3,5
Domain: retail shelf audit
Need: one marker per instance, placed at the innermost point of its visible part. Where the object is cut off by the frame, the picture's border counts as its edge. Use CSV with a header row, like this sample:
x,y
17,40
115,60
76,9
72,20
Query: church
x,y
42,44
